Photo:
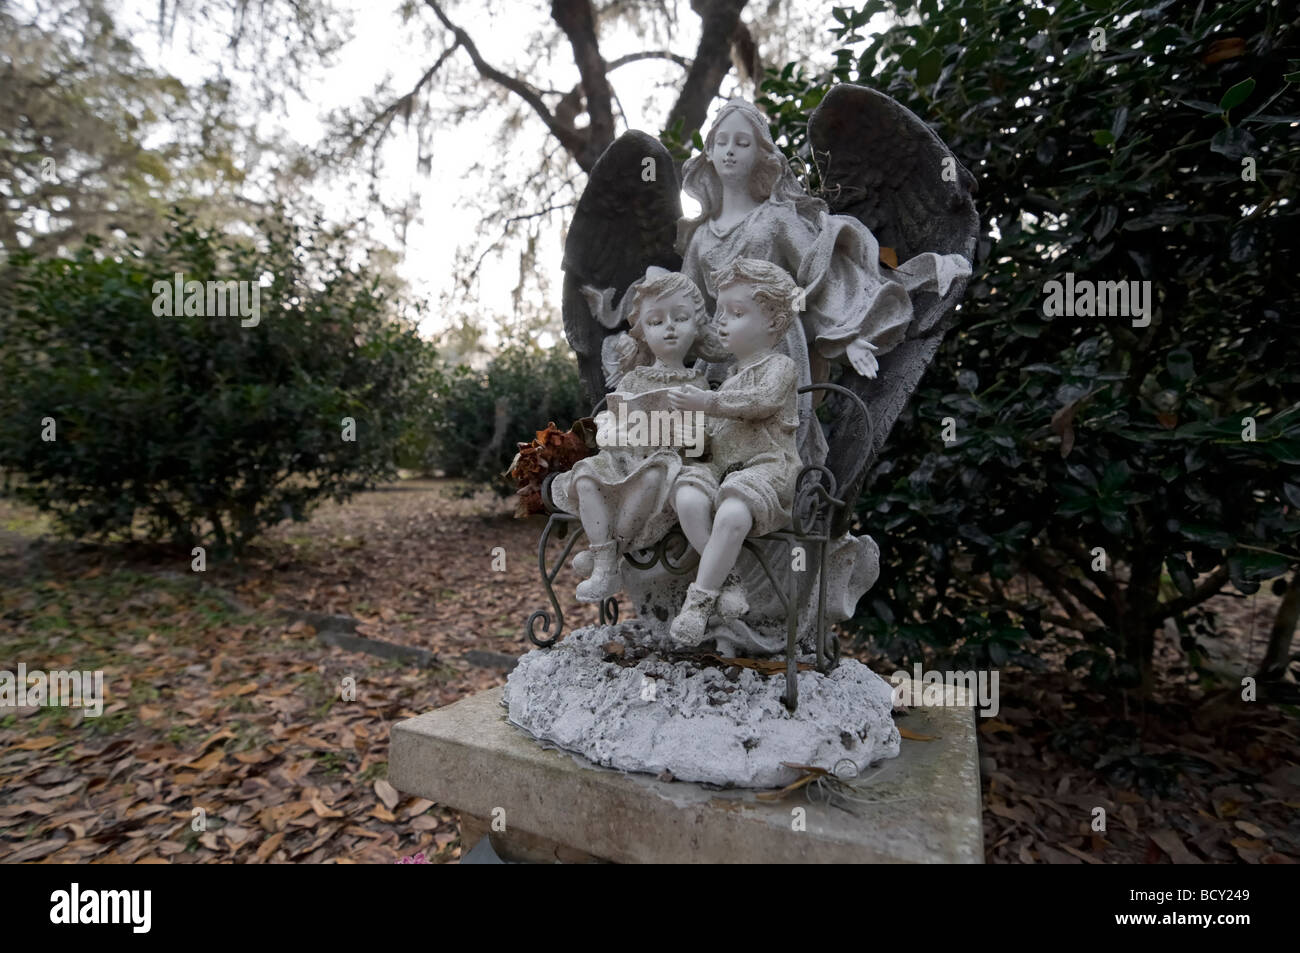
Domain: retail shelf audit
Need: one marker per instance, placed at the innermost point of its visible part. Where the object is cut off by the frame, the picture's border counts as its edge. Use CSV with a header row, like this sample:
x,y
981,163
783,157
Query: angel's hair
x,y
770,180
774,290
657,285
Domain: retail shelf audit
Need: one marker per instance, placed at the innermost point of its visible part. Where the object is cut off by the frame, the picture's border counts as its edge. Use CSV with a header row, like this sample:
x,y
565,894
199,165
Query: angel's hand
x,y
691,398
862,355
601,303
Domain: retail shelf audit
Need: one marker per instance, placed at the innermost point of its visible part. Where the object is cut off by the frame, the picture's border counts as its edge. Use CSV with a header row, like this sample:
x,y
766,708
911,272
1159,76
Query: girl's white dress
x,y
640,519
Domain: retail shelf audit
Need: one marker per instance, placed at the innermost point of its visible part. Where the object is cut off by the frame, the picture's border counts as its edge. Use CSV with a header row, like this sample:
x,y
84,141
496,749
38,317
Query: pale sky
x,y
381,46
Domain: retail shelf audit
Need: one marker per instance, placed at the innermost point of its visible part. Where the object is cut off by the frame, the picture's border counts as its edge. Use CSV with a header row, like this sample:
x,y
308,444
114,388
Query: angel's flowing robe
x,y
854,309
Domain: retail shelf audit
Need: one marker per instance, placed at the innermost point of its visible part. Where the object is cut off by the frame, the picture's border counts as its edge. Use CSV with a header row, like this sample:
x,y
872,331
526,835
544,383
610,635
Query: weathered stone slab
x,y
925,803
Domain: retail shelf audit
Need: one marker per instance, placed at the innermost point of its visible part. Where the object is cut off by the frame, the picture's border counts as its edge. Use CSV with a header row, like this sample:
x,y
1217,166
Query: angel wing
x,y
882,165
626,220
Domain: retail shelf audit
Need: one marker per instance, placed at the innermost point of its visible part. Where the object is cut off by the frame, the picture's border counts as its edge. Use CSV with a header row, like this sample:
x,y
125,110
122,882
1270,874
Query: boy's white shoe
x,y
692,622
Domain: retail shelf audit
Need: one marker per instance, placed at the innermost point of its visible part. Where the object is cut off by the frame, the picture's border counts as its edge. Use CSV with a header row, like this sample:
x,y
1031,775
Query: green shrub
x,y
484,415
205,429
1083,442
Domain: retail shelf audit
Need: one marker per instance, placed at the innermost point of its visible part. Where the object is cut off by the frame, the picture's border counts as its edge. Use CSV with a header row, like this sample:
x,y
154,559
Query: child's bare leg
x,y
730,527
602,558
594,511
628,519
695,514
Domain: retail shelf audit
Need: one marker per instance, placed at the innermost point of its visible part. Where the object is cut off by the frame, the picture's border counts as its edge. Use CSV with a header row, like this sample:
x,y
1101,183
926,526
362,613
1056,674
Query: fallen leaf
x,y
912,735
1169,841
1054,856
1225,49
1083,855
1010,812
992,725
1248,843
208,761
36,851
214,737
387,793
322,811
418,806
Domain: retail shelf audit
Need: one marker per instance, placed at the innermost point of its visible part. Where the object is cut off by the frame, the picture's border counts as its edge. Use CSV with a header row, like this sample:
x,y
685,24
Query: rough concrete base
x,y
925,804
608,693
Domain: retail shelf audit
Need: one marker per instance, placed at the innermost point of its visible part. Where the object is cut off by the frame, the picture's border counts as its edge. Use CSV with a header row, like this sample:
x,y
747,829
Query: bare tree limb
x,y
540,212
576,19
403,103
712,61
1055,578
681,61
572,140
1177,606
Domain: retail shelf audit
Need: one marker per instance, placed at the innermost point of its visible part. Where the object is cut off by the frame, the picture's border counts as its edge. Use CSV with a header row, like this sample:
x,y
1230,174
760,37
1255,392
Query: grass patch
x,y
112,724
182,736
330,762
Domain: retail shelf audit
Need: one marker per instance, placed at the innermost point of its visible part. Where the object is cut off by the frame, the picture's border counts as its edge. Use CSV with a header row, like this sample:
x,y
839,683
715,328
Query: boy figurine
x,y
746,488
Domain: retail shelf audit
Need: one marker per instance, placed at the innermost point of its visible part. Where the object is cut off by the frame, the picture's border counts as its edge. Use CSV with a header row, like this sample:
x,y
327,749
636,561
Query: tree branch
x,y
1180,604
712,61
572,140
681,61
577,21
403,103
1053,577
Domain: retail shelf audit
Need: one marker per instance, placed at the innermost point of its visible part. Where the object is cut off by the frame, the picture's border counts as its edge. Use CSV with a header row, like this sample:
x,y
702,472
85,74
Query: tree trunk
x,y
1136,627
1278,656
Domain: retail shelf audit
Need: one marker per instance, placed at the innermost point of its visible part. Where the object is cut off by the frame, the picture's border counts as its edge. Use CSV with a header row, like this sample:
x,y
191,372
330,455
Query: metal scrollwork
x,y
817,510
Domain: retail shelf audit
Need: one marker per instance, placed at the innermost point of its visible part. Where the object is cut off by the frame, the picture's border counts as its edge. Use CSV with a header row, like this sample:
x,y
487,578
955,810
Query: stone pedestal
x,y
557,807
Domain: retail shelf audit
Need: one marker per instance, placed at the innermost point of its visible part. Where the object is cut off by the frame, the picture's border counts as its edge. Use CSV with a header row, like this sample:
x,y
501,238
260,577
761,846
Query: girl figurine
x,y
622,493
746,488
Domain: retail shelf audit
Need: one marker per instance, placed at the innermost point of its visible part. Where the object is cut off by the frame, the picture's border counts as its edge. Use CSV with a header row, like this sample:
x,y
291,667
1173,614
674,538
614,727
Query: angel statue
x,y
864,329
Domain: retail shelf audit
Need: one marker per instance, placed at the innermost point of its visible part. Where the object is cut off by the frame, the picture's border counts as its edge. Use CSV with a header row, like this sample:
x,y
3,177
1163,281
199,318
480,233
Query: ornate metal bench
x,y
822,511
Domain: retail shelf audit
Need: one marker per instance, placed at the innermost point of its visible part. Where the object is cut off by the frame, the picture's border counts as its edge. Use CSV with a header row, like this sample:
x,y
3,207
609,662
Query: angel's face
x,y
668,324
743,328
734,149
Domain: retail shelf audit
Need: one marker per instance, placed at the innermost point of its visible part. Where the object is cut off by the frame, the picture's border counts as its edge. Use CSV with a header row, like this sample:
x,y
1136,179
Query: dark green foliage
x,y
484,415
206,430
1074,433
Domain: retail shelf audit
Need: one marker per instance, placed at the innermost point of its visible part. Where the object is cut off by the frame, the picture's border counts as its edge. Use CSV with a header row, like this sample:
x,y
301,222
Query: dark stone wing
x,y
882,165
626,221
